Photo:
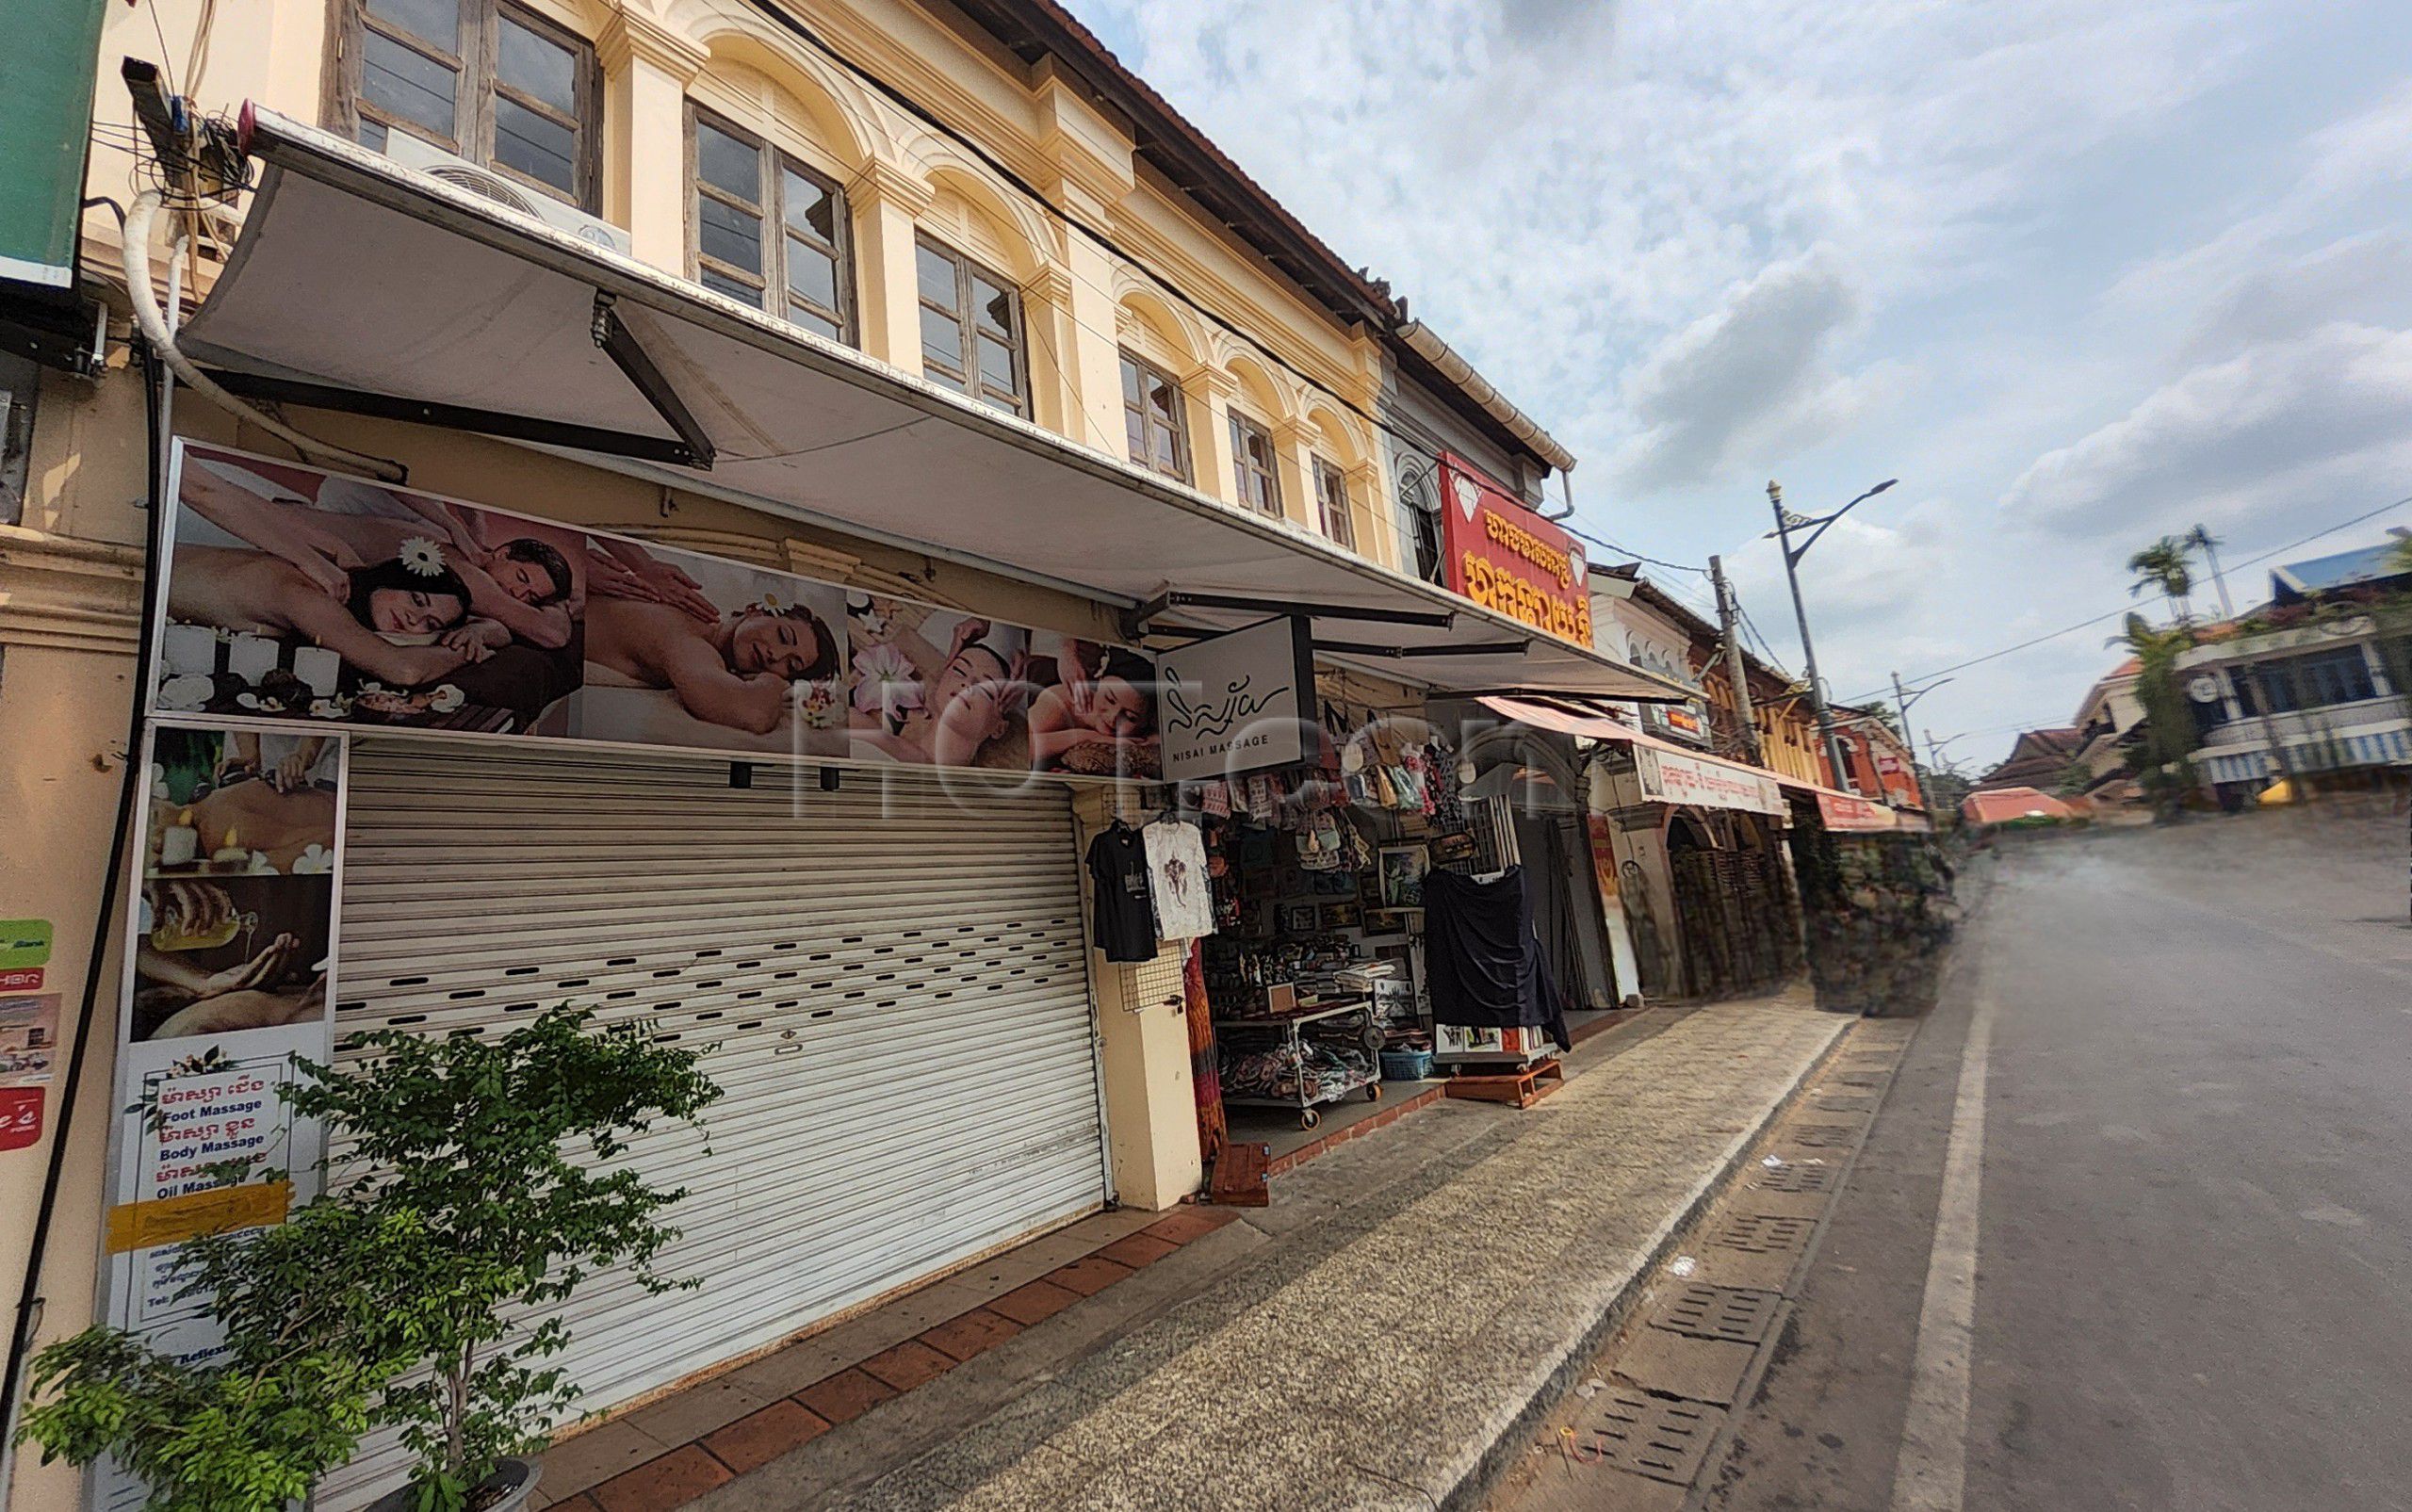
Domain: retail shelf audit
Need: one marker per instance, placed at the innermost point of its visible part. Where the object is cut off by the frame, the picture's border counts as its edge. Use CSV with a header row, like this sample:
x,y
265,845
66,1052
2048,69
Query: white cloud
x,y
2087,261
1752,380
2312,427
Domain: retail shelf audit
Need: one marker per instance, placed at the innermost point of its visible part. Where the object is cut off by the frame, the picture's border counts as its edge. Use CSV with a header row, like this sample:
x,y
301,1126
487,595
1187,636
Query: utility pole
x,y
2210,545
1729,625
1909,736
1826,736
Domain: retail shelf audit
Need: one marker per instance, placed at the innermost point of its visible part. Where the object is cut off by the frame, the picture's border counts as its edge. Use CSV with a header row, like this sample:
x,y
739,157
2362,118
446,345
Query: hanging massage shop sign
x,y
298,607
1504,557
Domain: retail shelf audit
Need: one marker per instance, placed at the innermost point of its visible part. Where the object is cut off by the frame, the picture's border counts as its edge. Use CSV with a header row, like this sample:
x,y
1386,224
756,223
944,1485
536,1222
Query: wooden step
x,y
1239,1175
1518,1089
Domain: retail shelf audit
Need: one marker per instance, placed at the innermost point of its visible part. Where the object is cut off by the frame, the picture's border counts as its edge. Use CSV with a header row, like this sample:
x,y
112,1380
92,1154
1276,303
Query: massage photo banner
x,y
295,594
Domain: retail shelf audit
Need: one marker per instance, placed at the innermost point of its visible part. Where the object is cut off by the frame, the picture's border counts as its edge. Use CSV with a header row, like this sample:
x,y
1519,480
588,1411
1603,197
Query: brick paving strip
x,y
1442,1289
717,1456
1388,1355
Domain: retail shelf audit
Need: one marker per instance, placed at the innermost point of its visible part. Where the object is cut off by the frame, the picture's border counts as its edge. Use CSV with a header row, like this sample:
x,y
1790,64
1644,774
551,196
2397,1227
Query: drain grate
x,y
1820,1136
1844,1103
1862,1078
1796,1179
1764,1233
1665,1440
1868,1063
1735,1314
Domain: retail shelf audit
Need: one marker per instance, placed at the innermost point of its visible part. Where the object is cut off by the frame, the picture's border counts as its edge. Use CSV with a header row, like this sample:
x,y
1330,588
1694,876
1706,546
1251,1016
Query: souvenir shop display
x,y
1316,880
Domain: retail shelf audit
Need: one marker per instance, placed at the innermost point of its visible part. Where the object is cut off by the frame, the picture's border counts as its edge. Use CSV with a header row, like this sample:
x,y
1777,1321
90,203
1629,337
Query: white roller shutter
x,y
892,975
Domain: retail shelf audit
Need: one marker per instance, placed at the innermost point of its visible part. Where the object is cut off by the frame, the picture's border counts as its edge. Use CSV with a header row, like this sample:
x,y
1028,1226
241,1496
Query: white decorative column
x,y
1208,392
1293,440
1053,342
885,202
1376,540
1092,159
647,69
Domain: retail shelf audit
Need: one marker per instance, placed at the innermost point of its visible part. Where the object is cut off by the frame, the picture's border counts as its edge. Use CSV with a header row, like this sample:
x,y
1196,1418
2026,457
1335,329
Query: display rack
x,y
1314,1092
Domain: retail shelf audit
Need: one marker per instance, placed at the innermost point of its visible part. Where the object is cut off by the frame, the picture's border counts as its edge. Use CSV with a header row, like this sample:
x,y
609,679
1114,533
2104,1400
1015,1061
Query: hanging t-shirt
x,y
1177,876
1125,910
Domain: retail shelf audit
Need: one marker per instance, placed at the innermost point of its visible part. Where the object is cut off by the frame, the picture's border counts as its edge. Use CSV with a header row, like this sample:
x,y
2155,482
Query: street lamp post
x,y
1785,523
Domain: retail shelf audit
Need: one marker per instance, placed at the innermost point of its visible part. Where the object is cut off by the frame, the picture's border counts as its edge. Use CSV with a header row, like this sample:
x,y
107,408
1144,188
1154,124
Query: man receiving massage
x,y
734,671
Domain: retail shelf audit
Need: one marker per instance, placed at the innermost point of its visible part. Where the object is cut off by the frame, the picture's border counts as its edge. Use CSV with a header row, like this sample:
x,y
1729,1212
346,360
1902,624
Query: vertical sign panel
x,y
229,980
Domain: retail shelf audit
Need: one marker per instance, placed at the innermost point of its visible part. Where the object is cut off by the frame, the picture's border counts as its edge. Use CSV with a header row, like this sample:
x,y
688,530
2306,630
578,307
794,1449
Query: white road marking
x,y
1932,1471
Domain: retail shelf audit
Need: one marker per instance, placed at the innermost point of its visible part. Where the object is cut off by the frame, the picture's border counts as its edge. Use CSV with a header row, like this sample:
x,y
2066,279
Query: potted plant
x,y
499,1148
285,1399
472,1195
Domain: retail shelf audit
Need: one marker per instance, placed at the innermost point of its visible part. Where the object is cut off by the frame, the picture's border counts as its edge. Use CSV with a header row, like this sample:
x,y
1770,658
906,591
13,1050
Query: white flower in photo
x,y
316,858
819,702
886,682
423,557
445,699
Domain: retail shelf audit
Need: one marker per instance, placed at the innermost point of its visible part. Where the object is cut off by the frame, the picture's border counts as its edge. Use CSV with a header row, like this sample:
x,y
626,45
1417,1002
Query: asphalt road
x,y
2193,1214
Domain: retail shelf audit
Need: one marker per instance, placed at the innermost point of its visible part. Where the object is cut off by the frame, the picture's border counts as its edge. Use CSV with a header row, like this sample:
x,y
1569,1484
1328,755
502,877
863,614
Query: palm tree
x,y
2160,762
2162,567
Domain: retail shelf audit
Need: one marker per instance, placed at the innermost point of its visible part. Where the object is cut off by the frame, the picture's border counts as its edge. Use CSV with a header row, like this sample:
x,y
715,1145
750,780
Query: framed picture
x,y
1402,872
1297,919
1339,917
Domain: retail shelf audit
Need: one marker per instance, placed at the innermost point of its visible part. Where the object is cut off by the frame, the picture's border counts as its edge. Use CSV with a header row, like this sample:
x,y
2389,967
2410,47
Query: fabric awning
x,y
352,272
1671,774
1848,813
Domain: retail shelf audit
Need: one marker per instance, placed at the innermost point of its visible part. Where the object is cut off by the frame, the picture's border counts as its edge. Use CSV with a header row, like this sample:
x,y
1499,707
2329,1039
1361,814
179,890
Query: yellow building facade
x,y
973,196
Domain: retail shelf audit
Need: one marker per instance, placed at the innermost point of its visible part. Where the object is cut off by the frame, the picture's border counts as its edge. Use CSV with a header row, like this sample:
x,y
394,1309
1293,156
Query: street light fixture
x,y
1785,523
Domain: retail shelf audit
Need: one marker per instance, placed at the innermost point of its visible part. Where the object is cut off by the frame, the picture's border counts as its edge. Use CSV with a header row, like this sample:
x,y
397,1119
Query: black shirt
x,y
1125,902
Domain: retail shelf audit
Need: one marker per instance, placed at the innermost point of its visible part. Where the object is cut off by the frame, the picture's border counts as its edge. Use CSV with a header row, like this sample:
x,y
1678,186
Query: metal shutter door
x,y
894,975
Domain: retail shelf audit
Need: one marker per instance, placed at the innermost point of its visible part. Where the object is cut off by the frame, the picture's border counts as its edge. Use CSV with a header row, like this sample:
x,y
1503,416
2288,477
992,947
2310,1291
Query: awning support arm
x,y
620,344
1487,649
1134,621
455,417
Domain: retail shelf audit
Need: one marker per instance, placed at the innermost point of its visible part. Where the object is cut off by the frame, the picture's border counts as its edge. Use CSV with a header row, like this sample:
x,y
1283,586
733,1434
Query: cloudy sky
x,y
2077,273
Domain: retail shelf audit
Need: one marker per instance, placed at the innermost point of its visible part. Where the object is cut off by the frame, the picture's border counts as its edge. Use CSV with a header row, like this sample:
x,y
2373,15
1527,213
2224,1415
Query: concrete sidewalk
x,y
1377,1337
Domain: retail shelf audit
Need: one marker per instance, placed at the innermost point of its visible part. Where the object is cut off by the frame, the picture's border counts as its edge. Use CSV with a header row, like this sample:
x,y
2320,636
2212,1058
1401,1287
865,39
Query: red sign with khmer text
x,y
1504,557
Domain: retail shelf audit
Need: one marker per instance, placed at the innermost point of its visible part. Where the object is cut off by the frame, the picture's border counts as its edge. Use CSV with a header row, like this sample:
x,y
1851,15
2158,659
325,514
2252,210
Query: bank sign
x,y
1504,557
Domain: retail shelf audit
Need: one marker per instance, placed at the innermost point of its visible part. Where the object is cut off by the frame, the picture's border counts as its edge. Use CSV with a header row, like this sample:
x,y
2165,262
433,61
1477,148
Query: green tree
x,y
307,1346
500,1149
479,1195
2160,758
2162,567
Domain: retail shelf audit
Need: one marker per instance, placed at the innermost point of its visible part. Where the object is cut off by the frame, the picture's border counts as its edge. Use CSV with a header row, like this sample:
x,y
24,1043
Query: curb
x,y
1507,1437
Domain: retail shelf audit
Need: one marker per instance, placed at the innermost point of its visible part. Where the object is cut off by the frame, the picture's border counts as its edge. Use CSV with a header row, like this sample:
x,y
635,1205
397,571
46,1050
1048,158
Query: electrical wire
x,y
2127,609
913,108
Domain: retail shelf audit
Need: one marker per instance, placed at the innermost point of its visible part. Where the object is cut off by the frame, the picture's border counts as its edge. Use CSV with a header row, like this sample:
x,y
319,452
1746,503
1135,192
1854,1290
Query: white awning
x,y
360,275
1669,773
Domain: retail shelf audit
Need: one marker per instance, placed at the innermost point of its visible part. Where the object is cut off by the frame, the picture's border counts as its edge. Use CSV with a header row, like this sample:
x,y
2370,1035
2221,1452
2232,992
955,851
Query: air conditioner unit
x,y
434,161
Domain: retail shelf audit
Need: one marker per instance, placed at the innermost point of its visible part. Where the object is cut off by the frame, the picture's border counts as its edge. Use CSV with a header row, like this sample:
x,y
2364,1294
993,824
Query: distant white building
x,y
2311,683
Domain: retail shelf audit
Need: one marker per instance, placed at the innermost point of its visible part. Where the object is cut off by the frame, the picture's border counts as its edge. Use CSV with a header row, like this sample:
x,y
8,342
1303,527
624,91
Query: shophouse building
x,y
692,509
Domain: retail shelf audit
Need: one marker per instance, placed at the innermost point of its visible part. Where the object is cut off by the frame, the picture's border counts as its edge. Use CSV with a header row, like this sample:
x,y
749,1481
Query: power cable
x,y
2127,608
897,98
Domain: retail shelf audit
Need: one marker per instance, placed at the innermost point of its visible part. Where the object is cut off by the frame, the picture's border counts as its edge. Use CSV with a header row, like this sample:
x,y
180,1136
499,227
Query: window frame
x,y
1148,421
476,86
970,381
1326,472
772,163
1243,469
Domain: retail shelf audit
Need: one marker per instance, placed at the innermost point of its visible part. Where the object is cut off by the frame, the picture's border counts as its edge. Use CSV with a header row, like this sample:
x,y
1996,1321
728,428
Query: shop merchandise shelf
x,y
1354,1018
